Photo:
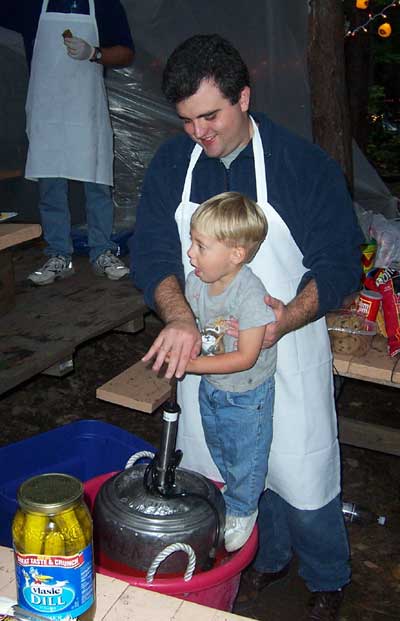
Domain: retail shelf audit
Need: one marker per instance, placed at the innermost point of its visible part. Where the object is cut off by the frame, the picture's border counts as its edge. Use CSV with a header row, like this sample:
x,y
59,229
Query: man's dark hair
x,y
204,57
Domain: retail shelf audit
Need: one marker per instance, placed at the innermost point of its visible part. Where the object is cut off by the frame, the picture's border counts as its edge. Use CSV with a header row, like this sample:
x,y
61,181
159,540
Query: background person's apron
x,y
68,123
304,463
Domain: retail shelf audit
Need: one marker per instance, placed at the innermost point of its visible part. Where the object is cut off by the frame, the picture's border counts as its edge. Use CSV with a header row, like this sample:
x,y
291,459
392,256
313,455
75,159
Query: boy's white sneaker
x,y
238,529
54,269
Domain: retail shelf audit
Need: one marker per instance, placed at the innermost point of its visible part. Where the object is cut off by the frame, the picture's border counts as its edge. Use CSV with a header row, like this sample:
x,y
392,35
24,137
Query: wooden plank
x,y
131,327
138,388
49,323
376,366
369,436
10,174
12,234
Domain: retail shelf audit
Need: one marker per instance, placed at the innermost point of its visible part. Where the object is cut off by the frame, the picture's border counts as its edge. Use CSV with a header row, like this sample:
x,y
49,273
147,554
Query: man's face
x,y
213,122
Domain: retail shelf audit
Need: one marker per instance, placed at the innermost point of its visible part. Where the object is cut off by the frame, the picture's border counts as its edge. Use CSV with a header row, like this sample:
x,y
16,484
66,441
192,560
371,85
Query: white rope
x,y
161,556
134,458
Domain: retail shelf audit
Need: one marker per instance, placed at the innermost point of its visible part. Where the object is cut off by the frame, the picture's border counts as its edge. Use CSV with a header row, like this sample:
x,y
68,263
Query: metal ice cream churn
x,y
150,517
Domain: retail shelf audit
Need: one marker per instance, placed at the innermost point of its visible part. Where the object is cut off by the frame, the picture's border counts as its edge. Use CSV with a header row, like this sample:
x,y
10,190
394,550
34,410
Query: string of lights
x,y
384,29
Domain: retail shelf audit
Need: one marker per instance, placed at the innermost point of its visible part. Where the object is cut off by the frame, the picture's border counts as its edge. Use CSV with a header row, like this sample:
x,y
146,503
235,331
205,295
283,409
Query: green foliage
x,y
376,98
384,155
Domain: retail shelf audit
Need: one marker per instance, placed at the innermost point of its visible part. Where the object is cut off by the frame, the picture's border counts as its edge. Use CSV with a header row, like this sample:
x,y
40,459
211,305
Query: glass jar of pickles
x,y
52,535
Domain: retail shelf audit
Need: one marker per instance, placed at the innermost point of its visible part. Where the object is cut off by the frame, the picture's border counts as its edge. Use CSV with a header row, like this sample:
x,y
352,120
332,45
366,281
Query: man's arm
x,y
116,56
300,311
180,340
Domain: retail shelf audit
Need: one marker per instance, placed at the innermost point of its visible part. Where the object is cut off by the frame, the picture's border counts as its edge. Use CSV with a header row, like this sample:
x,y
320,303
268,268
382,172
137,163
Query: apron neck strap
x,y
92,10
188,181
45,4
259,166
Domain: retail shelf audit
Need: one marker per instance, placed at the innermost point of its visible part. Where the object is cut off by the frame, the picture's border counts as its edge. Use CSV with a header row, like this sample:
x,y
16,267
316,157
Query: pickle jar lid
x,y
49,493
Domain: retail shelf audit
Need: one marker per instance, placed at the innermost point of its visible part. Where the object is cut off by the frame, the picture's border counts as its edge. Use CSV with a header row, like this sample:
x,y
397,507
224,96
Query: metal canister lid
x,y
49,493
370,294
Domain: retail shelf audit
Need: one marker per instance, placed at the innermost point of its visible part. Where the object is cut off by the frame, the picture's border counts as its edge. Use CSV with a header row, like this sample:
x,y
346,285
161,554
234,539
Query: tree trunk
x,y
329,100
358,68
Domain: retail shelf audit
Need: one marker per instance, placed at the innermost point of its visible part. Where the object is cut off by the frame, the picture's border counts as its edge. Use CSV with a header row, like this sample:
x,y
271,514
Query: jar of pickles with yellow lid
x,y
52,536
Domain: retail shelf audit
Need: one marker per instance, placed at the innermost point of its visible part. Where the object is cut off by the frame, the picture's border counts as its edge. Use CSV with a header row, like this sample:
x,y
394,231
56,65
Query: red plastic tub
x,y
217,587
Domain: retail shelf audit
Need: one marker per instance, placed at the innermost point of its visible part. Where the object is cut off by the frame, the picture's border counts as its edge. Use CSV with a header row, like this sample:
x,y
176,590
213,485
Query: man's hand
x,y
276,329
78,49
177,343
288,317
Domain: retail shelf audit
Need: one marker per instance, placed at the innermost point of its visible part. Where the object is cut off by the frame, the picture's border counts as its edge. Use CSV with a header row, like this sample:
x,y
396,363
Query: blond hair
x,y
233,219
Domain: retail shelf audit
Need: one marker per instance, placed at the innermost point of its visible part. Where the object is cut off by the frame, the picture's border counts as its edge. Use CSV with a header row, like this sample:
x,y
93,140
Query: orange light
x,y
362,4
385,30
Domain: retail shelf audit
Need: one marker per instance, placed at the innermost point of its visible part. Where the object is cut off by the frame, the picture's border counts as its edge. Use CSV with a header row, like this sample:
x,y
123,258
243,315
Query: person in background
x,y
308,264
68,43
237,388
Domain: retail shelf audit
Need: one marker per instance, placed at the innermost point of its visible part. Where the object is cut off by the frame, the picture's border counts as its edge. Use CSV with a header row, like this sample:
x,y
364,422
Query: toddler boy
x,y
237,389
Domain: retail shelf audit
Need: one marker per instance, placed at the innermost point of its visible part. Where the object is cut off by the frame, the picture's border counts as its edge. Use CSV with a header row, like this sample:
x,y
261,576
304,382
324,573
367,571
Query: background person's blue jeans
x,y
56,218
318,538
238,431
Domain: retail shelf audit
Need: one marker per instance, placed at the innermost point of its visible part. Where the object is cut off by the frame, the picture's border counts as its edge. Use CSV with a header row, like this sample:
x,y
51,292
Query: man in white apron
x,y
304,197
68,122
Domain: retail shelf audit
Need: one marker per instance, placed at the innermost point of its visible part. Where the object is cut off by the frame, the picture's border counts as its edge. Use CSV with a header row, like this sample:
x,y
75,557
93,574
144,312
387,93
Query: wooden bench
x,y
139,388
12,234
10,174
377,367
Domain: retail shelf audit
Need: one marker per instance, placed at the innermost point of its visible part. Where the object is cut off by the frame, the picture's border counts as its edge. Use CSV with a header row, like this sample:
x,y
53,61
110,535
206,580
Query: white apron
x,y
304,463
68,123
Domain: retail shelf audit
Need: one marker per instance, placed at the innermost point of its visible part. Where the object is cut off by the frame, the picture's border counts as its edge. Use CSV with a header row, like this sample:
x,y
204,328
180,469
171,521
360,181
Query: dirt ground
x,y
370,479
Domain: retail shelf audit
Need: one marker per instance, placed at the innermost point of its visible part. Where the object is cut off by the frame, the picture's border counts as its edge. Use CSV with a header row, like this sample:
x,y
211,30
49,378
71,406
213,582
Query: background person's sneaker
x,y
238,530
54,269
107,264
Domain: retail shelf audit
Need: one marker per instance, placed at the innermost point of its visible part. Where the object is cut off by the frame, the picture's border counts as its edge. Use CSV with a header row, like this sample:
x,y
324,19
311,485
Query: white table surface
x,y
119,601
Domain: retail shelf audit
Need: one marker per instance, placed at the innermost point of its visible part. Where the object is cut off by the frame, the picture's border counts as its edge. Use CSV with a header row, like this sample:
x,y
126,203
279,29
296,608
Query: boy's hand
x,y
176,344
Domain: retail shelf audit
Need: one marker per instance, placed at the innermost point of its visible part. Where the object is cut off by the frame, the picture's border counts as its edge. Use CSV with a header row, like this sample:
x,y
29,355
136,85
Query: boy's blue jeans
x,y
238,431
318,538
56,219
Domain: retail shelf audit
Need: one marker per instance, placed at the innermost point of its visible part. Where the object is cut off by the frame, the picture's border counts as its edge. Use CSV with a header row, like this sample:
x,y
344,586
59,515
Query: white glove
x,y
78,49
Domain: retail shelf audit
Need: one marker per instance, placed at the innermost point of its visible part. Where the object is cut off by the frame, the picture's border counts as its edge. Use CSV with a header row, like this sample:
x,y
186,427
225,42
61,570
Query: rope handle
x,y
136,456
161,556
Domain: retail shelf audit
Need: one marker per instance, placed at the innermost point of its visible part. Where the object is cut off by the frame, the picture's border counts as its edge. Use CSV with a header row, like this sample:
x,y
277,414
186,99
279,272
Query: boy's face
x,y
212,260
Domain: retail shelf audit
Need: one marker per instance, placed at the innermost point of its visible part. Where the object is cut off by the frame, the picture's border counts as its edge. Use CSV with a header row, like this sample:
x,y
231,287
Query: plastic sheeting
x,y
272,38
273,44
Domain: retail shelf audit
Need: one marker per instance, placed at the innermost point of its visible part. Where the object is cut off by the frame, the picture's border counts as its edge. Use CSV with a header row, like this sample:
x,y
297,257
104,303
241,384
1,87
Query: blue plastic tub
x,y
80,242
85,449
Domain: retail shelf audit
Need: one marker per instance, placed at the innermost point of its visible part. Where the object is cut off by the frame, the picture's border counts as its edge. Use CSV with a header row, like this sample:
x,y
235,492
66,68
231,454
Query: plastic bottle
x,y
360,515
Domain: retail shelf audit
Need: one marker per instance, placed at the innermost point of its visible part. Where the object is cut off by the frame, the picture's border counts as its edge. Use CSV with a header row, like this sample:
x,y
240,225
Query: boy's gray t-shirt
x,y
243,300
